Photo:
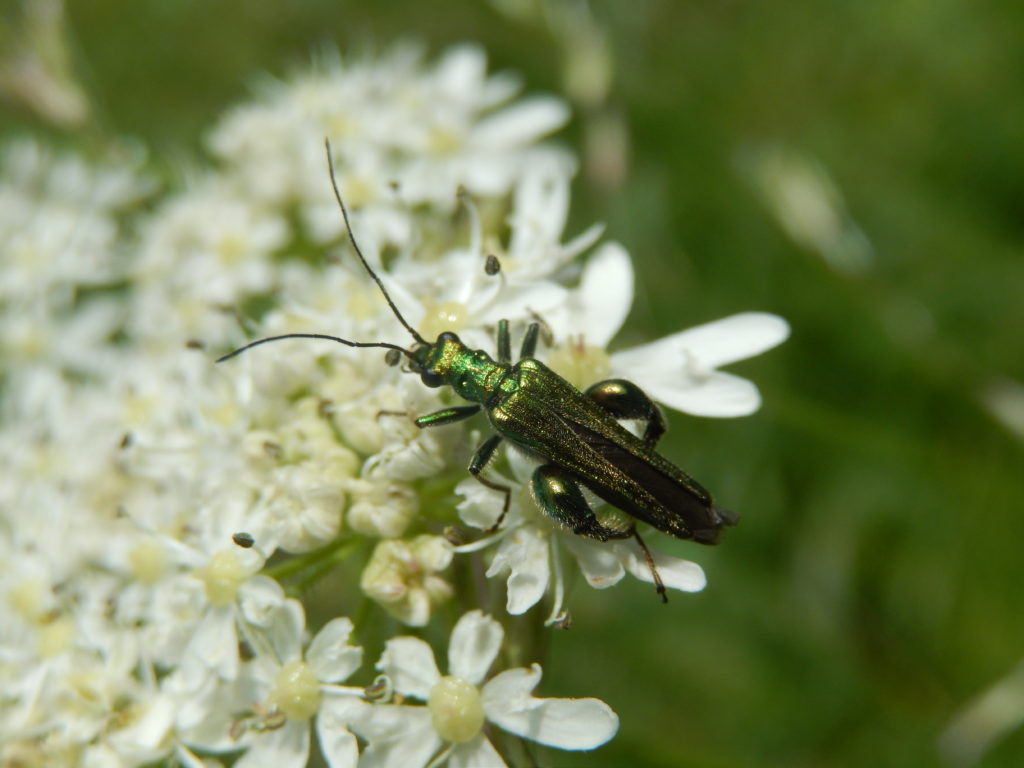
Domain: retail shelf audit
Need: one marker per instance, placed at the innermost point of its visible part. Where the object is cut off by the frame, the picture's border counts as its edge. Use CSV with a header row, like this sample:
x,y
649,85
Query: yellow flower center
x,y
231,250
443,316
28,599
148,561
455,709
222,577
56,637
297,695
580,364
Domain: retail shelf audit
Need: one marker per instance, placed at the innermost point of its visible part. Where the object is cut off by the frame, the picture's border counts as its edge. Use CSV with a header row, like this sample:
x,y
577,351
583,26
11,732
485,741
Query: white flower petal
x,y
99,756
522,466
259,597
434,553
713,344
397,736
675,572
598,561
212,718
329,653
540,296
386,722
480,505
719,395
337,744
482,179
539,214
214,645
284,747
524,553
606,292
409,662
339,747
144,734
343,705
476,753
188,758
581,242
500,87
461,70
285,629
562,723
474,644
414,610
521,123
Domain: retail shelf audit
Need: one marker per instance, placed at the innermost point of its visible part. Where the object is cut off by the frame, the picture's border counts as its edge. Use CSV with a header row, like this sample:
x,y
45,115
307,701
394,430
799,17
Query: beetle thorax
x,y
470,372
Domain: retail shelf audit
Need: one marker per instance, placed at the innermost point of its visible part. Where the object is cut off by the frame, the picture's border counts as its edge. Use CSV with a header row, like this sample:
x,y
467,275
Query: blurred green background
x,y
874,585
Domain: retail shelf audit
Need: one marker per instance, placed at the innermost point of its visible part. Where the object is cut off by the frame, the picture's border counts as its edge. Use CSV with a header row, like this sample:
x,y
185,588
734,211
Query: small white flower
x,y
406,452
380,508
679,370
540,212
460,703
212,243
291,688
305,506
402,576
235,595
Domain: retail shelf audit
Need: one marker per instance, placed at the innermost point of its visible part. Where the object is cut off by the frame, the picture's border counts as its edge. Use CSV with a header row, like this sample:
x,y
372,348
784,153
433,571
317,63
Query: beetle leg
x,y
504,343
476,466
659,585
447,416
529,341
625,400
560,497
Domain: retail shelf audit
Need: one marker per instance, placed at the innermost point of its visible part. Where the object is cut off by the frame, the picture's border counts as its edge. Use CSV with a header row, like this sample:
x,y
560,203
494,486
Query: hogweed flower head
x,y
165,513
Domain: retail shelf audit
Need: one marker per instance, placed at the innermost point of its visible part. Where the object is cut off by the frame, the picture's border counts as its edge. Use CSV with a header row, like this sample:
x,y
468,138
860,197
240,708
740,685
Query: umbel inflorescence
x,y
138,623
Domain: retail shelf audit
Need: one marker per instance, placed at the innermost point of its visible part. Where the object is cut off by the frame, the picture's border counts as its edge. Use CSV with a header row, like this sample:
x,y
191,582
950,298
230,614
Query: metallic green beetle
x,y
575,435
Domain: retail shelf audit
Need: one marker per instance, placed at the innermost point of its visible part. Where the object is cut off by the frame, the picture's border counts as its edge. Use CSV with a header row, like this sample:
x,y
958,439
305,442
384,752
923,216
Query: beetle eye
x,y
431,379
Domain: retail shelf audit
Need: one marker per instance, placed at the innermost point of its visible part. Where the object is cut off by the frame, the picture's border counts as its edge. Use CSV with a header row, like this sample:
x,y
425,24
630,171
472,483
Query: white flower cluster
x,y
145,489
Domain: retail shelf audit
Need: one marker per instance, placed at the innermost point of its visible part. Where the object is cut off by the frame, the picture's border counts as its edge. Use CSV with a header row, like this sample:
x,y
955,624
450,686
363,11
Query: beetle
x,y
576,436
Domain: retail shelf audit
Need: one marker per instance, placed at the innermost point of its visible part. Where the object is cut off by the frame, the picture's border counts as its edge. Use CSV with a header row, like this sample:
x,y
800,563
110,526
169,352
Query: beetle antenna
x,y
359,252
346,342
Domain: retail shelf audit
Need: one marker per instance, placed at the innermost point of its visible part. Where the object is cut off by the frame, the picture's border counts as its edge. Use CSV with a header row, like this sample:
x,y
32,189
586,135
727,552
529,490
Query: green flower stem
x,y
319,559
